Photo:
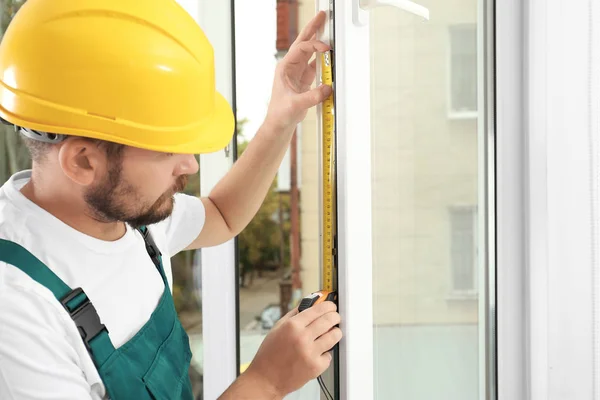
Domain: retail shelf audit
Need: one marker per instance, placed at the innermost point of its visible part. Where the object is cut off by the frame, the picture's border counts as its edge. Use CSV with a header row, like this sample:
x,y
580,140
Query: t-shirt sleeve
x,y
37,360
184,224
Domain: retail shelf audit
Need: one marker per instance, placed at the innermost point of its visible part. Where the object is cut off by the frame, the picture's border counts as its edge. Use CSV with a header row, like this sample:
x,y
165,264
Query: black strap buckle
x,y
151,246
85,317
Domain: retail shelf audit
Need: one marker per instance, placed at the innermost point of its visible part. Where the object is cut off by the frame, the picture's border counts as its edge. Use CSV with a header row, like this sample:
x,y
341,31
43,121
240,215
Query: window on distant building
x,y
463,250
463,71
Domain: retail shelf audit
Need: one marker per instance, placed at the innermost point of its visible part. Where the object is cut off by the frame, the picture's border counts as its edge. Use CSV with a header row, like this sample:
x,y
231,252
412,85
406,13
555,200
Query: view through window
x,y
425,202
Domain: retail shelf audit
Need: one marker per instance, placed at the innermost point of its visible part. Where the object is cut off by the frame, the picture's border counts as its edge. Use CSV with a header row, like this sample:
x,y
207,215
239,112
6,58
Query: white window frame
x,y
219,272
547,277
511,202
352,81
561,281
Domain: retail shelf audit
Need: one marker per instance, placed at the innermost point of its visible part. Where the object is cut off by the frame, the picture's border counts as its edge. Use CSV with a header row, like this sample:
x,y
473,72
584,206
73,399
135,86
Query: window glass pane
x,y
425,194
278,261
263,246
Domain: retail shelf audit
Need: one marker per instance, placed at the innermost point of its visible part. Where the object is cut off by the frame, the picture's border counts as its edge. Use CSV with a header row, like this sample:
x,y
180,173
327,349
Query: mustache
x,y
181,183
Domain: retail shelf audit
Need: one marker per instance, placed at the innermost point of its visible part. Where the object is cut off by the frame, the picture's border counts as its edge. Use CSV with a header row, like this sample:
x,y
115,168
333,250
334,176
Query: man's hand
x,y
293,353
292,95
235,200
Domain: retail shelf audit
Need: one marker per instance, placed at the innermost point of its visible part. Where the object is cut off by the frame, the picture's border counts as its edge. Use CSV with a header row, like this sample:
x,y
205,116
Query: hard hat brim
x,y
216,134
139,75
212,135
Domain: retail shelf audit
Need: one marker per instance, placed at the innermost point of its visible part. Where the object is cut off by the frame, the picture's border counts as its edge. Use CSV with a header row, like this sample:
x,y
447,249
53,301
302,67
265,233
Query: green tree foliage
x,y
260,243
13,153
9,9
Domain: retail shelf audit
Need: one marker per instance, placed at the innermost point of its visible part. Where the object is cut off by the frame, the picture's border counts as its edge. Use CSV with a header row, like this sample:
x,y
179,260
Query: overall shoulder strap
x,y
16,255
75,301
153,251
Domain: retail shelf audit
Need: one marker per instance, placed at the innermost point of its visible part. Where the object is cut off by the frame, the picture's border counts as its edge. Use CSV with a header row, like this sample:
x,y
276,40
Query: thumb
x,y
287,316
314,96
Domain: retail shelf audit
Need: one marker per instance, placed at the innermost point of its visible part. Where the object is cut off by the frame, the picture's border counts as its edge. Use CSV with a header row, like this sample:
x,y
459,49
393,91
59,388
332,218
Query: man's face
x,y
139,185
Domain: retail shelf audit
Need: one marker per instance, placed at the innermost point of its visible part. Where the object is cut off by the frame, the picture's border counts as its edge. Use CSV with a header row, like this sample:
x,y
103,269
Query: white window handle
x,y
361,7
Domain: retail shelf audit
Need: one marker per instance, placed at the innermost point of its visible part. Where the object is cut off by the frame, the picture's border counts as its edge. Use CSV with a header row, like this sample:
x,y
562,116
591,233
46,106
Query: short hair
x,y
39,150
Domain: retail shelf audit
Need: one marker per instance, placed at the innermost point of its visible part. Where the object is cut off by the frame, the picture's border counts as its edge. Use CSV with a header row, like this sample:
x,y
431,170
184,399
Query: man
x,y
113,98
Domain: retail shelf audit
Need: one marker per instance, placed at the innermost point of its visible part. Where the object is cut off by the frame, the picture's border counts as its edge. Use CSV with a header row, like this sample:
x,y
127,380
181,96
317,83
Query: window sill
x,y
463,296
462,115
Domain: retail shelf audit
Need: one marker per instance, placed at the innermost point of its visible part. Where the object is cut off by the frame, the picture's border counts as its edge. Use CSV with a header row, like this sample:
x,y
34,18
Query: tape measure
x,y
328,190
316,298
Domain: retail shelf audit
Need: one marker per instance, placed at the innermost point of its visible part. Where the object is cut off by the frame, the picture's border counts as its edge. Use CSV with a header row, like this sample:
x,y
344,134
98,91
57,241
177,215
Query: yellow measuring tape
x,y
328,177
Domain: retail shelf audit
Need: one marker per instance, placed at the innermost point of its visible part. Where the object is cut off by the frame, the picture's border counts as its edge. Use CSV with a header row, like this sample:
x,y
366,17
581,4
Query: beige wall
x,y
424,162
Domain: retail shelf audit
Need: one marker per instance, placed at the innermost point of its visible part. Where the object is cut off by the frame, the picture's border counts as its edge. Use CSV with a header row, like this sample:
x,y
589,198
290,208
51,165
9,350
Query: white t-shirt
x,y
42,355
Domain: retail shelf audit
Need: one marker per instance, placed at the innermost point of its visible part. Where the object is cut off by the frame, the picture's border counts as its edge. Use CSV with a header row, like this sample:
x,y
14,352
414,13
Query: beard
x,y
115,200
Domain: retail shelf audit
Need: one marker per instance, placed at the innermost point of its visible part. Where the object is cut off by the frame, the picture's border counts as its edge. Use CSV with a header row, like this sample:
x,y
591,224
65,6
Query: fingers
x,y
312,27
325,361
306,317
313,97
290,314
309,75
323,324
303,51
287,316
309,47
328,340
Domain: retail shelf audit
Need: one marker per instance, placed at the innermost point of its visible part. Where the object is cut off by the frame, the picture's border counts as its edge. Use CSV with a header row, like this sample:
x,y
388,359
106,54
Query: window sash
x,y
352,46
353,126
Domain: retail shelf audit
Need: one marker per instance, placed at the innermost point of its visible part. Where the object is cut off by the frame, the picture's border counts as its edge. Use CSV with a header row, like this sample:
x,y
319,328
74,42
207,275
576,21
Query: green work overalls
x,y
153,364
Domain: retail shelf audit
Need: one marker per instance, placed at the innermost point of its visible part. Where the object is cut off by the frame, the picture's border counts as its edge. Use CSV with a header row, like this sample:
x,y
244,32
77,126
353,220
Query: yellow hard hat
x,y
136,72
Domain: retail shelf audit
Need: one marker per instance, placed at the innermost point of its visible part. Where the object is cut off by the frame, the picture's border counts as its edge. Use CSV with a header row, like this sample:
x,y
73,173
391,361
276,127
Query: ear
x,y
81,160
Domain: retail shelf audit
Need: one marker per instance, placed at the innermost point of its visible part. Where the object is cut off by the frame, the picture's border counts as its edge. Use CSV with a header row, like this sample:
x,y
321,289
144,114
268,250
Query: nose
x,y
188,165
